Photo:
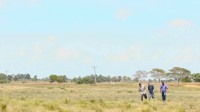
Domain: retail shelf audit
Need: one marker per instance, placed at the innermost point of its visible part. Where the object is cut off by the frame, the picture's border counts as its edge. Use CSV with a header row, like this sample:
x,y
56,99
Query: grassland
x,y
123,97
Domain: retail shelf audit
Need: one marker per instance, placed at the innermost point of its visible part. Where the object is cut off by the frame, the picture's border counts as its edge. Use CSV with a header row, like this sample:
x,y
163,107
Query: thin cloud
x,y
132,53
51,39
66,54
71,55
187,55
1,2
29,1
38,52
184,55
24,2
32,54
123,14
157,55
22,53
181,23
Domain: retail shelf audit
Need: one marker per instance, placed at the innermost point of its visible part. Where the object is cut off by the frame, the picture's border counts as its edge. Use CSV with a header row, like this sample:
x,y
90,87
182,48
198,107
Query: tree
x,y
3,78
186,79
10,77
136,79
125,78
35,78
86,80
115,79
21,77
196,77
158,73
120,78
179,73
74,79
61,78
27,76
140,74
53,78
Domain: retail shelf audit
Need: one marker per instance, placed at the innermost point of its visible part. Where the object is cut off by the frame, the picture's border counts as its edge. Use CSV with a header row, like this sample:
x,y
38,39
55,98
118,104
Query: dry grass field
x,y
123,97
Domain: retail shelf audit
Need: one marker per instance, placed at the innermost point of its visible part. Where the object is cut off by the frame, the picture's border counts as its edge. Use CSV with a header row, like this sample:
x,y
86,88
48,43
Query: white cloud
x,y
51,39
38,52
181,23
1,2
118,57
31,54
157,55
132,53
187,55
29,1
123,14
63,53
71,55
22,53
183,56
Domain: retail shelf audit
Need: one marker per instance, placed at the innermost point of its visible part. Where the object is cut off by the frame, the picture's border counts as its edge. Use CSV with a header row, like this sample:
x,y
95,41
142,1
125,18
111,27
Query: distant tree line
x,y
177,74
18,77
99,78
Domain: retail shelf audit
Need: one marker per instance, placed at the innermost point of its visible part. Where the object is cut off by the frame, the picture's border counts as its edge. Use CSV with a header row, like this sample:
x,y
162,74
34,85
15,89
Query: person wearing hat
x,y
142,90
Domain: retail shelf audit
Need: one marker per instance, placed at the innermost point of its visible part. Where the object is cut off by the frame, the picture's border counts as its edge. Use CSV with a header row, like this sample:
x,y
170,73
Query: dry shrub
x,y
3,107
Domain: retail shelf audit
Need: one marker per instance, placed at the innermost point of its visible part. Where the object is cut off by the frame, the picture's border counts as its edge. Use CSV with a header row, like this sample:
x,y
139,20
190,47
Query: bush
x,y
3,78
55,78
85,80
2,81
186,79
196,77
3,107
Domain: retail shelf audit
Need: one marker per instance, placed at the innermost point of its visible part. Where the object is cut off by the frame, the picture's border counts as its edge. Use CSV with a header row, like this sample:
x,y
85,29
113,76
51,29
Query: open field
x,y
45,97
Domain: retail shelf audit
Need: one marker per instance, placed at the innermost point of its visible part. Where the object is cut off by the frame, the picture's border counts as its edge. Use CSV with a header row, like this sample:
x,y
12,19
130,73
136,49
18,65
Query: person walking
x,y
142,90
151,90
163,90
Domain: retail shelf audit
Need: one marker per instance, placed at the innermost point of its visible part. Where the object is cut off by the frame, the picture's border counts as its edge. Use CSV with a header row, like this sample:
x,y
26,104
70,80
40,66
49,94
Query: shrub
x,y
186,79
85,80
67,101
3,107
92,101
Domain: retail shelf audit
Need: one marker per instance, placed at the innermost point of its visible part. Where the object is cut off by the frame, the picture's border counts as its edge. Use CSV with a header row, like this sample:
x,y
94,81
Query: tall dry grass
x,y
121,97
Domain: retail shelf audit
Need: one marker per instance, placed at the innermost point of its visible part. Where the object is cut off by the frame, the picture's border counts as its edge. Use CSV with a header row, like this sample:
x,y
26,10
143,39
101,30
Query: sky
x,y
68,37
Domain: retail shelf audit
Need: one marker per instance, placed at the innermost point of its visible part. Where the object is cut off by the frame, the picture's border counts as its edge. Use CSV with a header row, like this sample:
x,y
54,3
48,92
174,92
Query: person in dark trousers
x,y
142,90
151,90
163,90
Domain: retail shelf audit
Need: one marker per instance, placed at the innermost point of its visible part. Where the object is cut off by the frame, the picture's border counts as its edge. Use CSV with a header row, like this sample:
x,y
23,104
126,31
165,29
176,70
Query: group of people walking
x,y
142,90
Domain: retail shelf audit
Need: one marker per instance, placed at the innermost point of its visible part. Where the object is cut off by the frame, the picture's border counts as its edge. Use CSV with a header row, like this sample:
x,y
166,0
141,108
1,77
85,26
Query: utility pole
x,y
95,76
6,76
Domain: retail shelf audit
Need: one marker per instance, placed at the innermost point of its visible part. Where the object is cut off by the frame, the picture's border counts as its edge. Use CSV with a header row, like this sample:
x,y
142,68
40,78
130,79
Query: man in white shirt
x,y
142,90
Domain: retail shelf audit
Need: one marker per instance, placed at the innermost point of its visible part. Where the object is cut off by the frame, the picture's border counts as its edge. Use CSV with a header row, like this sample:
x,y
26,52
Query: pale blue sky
x,y
42,37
